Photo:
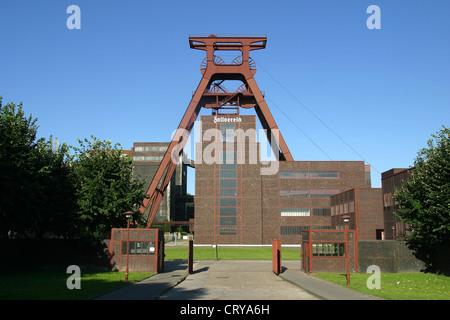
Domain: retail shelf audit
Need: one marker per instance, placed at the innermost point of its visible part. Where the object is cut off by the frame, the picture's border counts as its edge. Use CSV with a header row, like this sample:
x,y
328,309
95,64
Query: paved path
x,y
153,287
235,280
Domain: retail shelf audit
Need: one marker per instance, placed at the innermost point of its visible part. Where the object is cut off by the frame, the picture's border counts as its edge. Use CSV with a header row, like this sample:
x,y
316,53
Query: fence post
x,y
191,256
276,256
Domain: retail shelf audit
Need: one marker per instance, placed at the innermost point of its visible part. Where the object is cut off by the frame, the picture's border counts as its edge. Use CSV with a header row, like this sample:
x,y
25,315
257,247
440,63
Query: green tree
x,y
18,185
36,191
424,199
105,188
57,201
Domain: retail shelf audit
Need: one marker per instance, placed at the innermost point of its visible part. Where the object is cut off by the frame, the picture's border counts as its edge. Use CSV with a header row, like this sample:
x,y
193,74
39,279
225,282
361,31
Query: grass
x,y
230,253
51,285
397,286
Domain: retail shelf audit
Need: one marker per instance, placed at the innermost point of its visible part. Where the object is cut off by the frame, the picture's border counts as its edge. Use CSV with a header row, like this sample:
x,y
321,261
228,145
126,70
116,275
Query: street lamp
x,y
346,220
128,215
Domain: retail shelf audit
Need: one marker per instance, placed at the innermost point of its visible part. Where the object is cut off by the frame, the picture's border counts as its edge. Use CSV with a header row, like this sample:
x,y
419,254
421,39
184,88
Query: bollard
x,y
191,256
276,256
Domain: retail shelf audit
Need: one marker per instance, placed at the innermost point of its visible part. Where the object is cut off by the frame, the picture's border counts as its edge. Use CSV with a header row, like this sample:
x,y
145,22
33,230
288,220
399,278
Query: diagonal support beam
x,y
166,168
268,122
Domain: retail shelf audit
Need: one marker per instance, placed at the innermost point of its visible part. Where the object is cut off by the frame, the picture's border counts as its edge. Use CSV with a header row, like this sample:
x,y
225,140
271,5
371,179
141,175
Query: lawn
x,y
230,253
398,286
51,285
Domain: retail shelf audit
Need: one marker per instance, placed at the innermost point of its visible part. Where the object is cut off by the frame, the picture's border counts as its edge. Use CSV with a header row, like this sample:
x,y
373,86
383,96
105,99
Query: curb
x,y
332,285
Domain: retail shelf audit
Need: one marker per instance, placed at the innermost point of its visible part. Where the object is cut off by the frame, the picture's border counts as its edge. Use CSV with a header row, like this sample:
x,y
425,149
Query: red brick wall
x,y
141,262
258,201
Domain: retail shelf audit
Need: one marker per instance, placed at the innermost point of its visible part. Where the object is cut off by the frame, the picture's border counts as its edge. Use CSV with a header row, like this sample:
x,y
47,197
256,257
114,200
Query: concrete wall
x,y
389,256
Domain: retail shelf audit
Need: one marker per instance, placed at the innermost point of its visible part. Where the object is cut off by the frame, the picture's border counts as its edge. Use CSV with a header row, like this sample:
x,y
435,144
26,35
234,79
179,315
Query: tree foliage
x,y
56,189
44,189
424,199
105,188
18,162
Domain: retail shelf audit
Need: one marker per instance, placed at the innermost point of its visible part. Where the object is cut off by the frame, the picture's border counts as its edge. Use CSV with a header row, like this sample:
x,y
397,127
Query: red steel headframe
x,y
247,96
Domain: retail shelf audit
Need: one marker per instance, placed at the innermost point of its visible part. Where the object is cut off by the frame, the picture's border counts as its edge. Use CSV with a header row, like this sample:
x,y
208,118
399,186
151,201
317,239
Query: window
x,y
143,149
228,192
148,158
351,207
292,230
323,193
228,166
227,230
139,247
228,202
300,212
305,193
294,174
228,132
321,227
321,212
227,174
227,183
228,211
228,189
309,174
328,249
294,193
228,157
227,221
324,174
387,197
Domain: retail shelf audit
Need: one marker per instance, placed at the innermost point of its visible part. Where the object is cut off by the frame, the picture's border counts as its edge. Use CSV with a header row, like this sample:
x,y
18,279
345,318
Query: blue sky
x,y
336,89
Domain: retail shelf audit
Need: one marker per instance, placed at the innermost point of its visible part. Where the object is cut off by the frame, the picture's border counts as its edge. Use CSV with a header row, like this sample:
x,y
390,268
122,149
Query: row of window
x,y
228,227
143,149
297,230
309,174
227,230
148,158
139,248
305,212
308,193
328,249
342,208
227,191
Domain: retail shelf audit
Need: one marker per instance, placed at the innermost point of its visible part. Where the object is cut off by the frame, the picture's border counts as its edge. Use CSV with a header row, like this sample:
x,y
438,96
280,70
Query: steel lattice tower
x,y
211,95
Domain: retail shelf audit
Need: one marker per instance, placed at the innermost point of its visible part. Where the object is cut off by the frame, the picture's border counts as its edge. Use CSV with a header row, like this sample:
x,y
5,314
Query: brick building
x,y
240,199
365,209
390,180
147,157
